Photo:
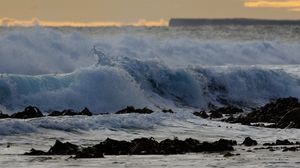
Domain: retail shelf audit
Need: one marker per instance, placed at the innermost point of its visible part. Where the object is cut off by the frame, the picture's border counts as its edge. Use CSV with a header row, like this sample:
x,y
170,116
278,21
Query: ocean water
x,y
109,68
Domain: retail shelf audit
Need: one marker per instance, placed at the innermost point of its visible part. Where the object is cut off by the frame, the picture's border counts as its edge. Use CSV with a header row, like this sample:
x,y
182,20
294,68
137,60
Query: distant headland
x,y
202,22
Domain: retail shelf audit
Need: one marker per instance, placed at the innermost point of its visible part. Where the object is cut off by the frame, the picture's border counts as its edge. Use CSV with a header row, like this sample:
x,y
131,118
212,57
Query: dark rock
x,y
70,112
293,149
176,146
114,147
2,116
55,113
60,148
218,146
216,114
290,120
249,142
85,111
228,154
89,152
140,146
131,109
167,111
201,114
280,142
29,112
36,152
228,110
144,146
281,113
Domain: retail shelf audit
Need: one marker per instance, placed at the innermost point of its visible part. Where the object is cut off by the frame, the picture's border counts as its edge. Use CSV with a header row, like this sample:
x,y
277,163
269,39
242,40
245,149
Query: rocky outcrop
x,y
2,116
70,112
281,113
29,112
201,114
131,109
140,146
281,142
227,110
60,148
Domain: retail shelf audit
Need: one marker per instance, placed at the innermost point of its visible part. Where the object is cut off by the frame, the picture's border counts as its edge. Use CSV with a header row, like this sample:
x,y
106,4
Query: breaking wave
x,y
56,70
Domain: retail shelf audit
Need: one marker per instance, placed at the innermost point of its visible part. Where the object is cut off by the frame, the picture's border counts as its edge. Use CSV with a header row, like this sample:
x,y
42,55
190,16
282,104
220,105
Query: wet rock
x,y
29,112
60,148
229,154
36,152
290,120
283,113
293,149
85,111
70,112
228,110
140,146
216,114
144,146
131,109
218,146
249,142
201,114
2,116
114,147
176,146
167,111
89,152
281,142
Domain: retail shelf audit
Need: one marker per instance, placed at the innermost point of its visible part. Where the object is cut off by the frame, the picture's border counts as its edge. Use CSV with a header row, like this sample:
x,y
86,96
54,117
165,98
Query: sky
x,y
138,12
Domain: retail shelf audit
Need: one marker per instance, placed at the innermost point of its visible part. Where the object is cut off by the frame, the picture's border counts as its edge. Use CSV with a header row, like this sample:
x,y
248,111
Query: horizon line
x,y
11,22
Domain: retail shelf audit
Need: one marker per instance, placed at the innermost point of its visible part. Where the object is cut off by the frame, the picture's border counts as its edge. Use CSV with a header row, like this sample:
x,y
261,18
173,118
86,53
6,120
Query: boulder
x,y
249,142
29,112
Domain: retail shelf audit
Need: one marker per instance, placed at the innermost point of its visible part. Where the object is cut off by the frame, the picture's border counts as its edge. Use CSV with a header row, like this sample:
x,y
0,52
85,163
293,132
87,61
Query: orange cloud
x,y
9,22
291,5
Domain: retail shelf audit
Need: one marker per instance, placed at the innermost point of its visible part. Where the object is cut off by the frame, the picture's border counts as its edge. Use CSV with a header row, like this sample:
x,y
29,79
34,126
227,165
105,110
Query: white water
x,y
56,70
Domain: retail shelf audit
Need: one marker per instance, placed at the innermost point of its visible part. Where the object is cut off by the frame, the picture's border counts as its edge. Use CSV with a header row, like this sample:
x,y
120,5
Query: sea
x,y
105,69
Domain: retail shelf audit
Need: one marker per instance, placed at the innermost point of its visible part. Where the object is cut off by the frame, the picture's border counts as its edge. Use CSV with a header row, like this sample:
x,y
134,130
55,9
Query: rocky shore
x,y
149,146
279,113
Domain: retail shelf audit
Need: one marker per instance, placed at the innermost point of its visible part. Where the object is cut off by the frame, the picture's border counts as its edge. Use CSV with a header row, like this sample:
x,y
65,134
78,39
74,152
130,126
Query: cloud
x,y
9,22
291,5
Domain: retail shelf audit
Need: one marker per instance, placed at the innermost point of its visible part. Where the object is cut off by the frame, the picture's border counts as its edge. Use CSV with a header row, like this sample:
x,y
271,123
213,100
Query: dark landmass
x,y
219,22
